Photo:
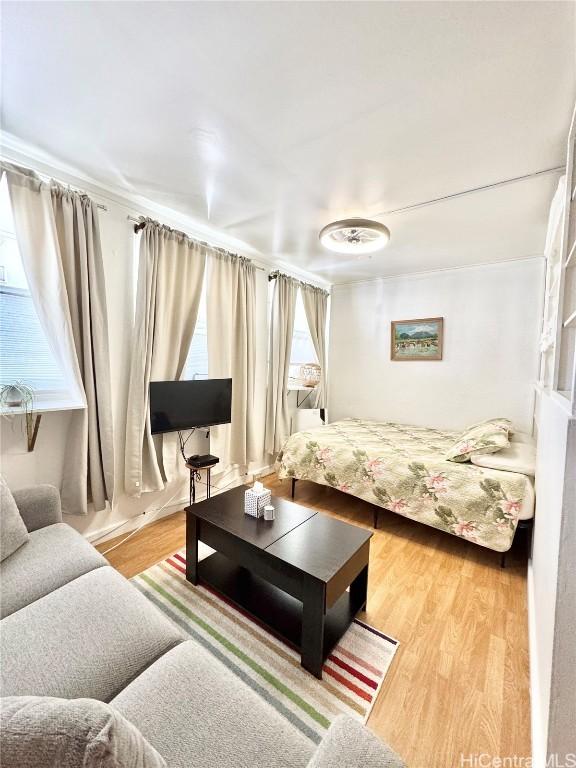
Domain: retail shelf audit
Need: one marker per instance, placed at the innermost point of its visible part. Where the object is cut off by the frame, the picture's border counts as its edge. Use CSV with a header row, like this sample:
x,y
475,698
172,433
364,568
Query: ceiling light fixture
x,y
355,236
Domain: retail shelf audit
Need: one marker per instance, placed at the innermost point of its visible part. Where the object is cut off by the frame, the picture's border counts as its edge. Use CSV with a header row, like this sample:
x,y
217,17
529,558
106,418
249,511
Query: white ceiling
x,y
267,120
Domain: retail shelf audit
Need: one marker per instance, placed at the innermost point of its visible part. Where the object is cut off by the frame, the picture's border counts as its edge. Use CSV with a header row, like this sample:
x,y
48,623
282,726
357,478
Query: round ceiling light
x,y
355,236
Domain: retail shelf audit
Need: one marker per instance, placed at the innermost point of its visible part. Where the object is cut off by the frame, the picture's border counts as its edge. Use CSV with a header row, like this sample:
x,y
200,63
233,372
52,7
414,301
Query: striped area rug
x,y
352,674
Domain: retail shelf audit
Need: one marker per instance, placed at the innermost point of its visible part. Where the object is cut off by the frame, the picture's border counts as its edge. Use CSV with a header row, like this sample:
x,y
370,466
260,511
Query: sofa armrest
x,y
349,744
39,506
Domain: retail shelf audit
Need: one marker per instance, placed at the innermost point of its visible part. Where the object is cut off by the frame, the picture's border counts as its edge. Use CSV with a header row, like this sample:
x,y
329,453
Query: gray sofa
x,y
72,627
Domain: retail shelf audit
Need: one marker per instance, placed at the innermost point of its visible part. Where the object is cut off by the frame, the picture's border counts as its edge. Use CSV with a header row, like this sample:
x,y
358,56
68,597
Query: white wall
x,y
552,586
45,463
490,359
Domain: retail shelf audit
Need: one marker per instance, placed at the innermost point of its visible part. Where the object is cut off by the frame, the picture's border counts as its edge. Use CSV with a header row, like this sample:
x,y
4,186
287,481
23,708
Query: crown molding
x,y
13,149
425,273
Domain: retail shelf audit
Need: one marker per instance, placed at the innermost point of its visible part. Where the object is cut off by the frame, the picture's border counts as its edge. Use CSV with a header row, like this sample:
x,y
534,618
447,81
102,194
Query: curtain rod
x,y
141,223
276,273
47,178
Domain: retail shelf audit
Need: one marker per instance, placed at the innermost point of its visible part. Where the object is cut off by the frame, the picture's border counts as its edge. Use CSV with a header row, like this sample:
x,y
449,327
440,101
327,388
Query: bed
x,y
402,469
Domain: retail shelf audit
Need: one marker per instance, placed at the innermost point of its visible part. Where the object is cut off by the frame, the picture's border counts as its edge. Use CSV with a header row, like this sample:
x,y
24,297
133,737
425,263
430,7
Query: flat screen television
x,y
179,405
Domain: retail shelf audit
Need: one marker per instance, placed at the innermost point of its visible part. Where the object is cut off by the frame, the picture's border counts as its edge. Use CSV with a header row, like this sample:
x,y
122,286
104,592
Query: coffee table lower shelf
x,y
278,611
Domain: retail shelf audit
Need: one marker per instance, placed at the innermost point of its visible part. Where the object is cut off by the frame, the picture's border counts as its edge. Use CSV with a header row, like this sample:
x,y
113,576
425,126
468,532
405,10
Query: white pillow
x,y
517,457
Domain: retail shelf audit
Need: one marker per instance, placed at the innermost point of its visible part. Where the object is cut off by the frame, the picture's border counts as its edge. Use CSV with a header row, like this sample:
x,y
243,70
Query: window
x,y
196,366
24,351
302,347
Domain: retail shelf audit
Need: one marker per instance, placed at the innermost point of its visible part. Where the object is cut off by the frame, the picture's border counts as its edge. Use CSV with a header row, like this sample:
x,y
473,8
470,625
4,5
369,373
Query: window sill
x,y
44,406
299,388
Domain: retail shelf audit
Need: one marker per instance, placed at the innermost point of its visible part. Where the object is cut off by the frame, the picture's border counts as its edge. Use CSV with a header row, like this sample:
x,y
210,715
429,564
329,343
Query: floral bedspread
x,y
402,468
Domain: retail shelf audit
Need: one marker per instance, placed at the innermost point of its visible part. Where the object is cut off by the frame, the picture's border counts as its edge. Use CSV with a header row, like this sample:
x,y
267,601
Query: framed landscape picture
x,y
417,339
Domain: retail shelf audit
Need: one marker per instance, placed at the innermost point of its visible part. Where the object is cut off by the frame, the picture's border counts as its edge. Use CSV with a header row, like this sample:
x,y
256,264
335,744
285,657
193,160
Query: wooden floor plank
x,y
459,683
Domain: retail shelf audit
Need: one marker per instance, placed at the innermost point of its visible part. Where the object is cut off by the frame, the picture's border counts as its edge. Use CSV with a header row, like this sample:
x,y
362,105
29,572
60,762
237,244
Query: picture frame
x,y
419,339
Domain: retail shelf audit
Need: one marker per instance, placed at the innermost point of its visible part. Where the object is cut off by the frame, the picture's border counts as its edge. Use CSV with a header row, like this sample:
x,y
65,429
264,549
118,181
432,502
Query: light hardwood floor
x,y
459,682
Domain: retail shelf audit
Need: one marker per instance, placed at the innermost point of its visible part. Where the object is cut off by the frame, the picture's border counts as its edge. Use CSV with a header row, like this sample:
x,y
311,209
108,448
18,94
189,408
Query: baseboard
x,y
120,528
536,725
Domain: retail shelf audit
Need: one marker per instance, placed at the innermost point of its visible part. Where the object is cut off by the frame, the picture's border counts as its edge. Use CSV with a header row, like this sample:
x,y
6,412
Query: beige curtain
x,y
90,432
281,332
59,239
316,307
170,277
231,299
38,243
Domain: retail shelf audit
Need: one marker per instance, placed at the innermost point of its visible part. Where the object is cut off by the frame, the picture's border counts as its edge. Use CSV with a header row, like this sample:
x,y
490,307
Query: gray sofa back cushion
x,y
13,532
42,732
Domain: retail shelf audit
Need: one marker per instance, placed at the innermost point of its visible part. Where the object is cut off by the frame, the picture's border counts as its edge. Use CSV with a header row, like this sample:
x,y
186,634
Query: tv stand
x,y
195,465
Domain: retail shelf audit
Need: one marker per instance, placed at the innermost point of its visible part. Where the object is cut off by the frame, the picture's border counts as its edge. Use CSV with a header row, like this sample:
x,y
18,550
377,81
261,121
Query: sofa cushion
x,y
348,744
89,638
53,556
196,712
13,532
42,732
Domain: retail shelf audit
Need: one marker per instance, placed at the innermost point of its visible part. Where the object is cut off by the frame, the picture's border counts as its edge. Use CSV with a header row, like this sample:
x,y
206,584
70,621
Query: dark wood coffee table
x,y
291,573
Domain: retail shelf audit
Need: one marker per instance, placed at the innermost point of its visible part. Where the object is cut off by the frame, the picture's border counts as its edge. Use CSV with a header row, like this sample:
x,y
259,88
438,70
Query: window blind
x,y
24,352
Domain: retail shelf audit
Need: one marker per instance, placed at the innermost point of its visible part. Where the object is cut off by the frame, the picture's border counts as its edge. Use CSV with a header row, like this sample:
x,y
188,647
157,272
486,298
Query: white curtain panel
x,y
281,332
231,301
170,278
315,302
59,239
